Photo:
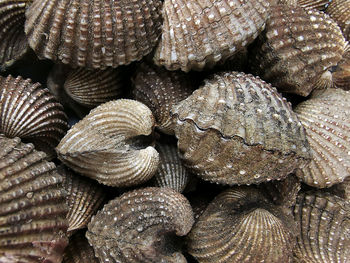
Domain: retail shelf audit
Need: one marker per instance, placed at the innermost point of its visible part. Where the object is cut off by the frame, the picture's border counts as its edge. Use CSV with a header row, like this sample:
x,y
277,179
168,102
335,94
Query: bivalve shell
x,y
339,10
341,75
314,4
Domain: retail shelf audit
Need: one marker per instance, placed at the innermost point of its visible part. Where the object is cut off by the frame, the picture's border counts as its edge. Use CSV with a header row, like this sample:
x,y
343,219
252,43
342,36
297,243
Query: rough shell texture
x,y
284,2
197,34
342,189
240,226
139,227
341,75
32,205
314,4
326,120
107,144
296,47
339,10
324,228
93,34
238,130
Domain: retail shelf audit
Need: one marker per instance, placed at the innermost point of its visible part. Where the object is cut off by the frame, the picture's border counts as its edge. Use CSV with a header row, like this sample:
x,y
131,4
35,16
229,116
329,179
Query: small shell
x,y
339,10
32,205
326,120
140,226
104,145
284,2
341,75
320,5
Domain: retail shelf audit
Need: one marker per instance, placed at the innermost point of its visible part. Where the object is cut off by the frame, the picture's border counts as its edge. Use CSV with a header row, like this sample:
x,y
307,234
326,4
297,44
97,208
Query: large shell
x,y
93,34
239,225
339,10
324,228
326,120
139,226
107,144
197,34
32,205
238,130
314,4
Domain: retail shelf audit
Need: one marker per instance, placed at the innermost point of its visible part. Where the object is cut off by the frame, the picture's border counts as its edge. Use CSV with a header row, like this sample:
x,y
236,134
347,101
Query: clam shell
x,y
139,226
339,10
198,34
104,145
341,75
237,129
314,4
32,205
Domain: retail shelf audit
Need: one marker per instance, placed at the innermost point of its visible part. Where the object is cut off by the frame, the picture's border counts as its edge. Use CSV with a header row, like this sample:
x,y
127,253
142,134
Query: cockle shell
x,y
140,226
107,144
341,75
32,205
237,129
198,34
339,10
314,4
326,120
93,34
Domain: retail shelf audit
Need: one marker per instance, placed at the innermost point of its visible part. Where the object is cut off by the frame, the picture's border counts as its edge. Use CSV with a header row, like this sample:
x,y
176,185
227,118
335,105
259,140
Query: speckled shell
x,y
32,205
341,75
198,34
237,129
93,34
339,10
326,120
140,226
296,48
101,145
314,4
324,228
160,89
239,225
30,112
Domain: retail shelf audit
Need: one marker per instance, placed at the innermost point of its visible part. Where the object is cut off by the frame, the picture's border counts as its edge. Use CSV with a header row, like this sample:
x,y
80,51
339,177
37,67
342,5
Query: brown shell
x,y
240,226
314,4
198,34
296,48
140,226
342,189
326,120
32,205
339,10
237,129
30,112
93,34
341,75
324,228
284,2
107,144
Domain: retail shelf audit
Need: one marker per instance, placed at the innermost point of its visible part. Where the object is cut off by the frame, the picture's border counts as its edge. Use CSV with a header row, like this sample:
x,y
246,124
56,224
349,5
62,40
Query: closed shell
x,y
339,10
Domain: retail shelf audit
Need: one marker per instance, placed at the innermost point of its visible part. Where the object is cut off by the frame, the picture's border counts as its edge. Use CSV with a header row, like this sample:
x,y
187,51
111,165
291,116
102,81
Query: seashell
x,y
339,10
328,132
293,58
198,34
323,228
341,75
320,5
237,129
32,205
284,2
93,34
108,144
141,226
159,90
239,225
30,112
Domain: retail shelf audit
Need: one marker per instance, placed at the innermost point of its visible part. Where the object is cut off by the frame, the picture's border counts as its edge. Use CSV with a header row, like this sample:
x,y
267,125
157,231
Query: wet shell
x,y
339,10
314,4
296,48
32,205
238,130
107,144
93,34
324,228
326,120
198,34
160,89
341,75
240,226
140,226
30,112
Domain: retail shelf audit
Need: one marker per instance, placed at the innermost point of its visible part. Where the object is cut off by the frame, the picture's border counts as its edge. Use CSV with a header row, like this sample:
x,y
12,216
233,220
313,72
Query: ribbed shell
x,y
339,10
32,205
93,34
314,4
198,34
284,2
30,112
237,129
100,145
324,229
240,226
296,48
160,89
326,120
139,226
341,76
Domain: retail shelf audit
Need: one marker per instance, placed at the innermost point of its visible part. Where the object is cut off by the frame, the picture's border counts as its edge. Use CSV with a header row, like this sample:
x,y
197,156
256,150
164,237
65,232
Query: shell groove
x,y
314,4
339,10
341,75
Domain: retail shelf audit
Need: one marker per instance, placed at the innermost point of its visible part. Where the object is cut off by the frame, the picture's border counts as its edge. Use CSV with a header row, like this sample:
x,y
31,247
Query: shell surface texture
x,y
341,75
339,10
314,4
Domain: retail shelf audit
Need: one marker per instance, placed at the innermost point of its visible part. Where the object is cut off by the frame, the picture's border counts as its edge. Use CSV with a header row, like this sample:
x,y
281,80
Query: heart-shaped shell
x,y
237,129
139,227
339,10
314,4
93,34
105,144
32,205
198,34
